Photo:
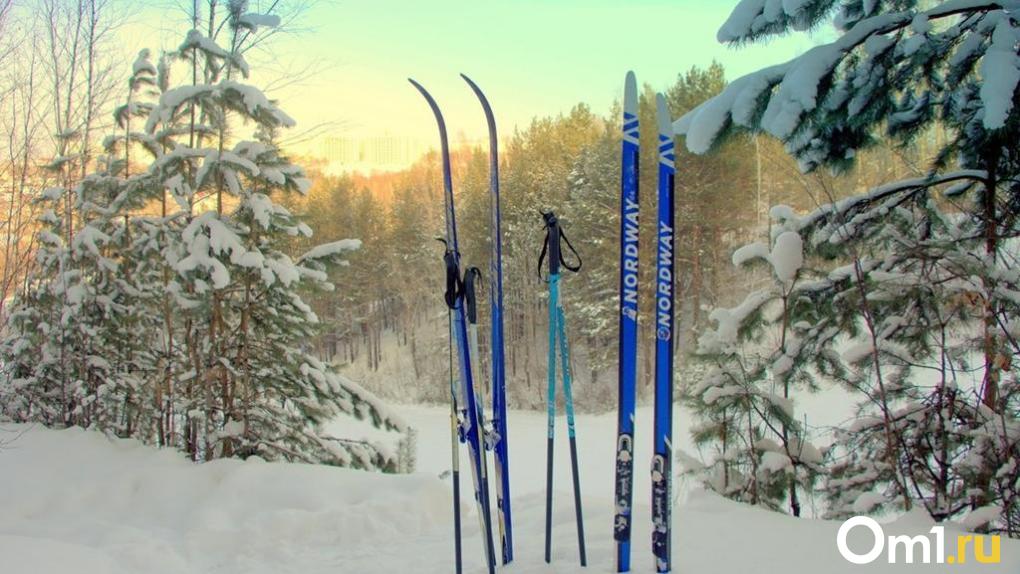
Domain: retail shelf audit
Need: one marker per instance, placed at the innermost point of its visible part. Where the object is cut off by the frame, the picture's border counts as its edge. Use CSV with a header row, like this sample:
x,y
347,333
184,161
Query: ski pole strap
x,y
554,235
471,277
454,284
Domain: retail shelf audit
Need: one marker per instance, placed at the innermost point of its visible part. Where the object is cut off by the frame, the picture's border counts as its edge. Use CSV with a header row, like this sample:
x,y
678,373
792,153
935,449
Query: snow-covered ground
x,y
75,501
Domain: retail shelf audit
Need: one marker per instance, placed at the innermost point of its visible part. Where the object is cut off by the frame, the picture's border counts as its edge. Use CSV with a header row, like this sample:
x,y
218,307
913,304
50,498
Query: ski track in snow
x,y
77,501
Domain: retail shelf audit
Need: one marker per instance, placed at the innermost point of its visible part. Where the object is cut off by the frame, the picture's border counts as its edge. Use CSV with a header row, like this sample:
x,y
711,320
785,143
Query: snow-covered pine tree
x,y
114,313
251,386
99,343
762,454
37,382
190,321
916,313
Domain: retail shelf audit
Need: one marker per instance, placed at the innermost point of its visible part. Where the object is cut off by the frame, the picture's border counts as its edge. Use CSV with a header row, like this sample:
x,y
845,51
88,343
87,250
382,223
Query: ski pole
x,y
557,330
554,280
568,402
455,453
452,286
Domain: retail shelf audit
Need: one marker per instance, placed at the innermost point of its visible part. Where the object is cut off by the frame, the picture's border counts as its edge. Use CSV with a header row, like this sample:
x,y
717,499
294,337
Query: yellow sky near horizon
x,y
532,57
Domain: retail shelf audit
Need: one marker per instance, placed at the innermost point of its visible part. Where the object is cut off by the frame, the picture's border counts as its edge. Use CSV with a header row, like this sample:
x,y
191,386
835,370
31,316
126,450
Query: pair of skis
x,y
663,424
467,417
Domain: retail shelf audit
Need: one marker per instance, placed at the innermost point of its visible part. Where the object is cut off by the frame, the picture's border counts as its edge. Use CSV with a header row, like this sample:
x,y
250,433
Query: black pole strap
x,y
454,284
471,277
577,256
552,247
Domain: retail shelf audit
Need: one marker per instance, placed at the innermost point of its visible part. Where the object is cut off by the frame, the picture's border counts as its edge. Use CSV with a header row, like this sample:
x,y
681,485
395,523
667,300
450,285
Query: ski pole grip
x,y
552,237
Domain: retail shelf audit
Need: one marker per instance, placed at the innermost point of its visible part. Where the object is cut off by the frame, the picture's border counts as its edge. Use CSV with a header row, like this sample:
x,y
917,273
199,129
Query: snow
x,y
753,16
787,256
1000,72
775,462
867,501
750,252
52,193
728,323
715,393
787,95
920,24
196,39
783,365
857,351
331,249
795,83
77,501
981,516
90,238
255,102
253,21
142,63
783,213
741,20
703,125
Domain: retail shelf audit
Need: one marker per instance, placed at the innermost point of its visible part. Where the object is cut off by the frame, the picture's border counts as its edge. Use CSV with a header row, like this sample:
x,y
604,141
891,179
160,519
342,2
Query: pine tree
x,y
914,282
188,328
593,210
746,400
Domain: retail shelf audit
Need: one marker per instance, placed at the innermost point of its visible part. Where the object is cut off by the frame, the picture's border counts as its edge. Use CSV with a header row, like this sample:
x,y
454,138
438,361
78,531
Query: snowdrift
x,y
76,501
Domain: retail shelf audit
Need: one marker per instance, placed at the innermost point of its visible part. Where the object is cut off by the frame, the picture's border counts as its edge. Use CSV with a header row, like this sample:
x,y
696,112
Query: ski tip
x,y
662,115
630,99
481,97
474,86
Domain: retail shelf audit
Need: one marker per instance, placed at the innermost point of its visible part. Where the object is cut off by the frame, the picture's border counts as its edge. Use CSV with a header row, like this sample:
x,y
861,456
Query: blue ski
x,y
470,415
628,324
499,442
662,456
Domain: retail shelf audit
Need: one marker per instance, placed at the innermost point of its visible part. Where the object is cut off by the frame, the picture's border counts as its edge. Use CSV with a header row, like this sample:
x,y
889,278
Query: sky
x,y
532,57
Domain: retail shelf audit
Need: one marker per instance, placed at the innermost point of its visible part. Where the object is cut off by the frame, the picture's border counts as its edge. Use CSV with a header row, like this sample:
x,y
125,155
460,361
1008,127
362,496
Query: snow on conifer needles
x,y
824,103
167,305
901,294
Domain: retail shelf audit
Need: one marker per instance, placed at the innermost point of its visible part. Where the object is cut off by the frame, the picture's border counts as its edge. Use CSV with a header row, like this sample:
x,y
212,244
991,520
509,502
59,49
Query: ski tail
x,y
499,444
664,324
629,211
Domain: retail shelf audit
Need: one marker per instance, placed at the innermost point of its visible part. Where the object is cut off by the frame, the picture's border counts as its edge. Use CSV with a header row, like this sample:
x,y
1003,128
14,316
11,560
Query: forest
x,y
389,328
845,221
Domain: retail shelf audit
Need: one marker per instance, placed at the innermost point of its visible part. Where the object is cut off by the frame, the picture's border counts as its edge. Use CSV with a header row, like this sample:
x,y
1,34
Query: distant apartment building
x,y
381,153
372,153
